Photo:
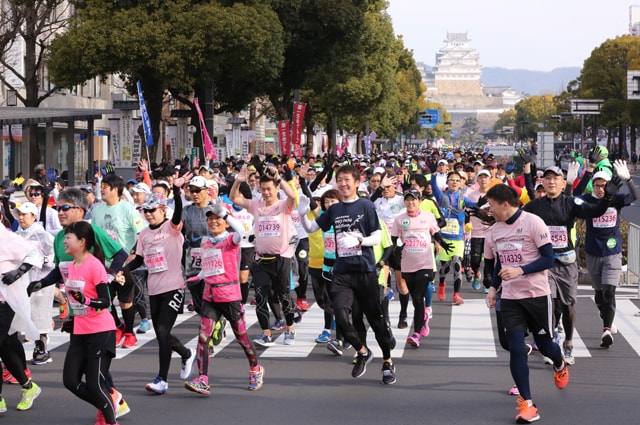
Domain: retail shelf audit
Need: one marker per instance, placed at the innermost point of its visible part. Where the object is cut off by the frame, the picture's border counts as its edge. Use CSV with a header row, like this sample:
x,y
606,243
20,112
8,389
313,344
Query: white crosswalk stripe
x,y
471,330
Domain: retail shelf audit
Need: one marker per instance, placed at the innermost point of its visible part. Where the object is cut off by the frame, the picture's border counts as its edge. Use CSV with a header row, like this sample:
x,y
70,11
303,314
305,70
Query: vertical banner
x,y
146,121
345,144
324,144
126,138
136,151
114,129
209,151
367,145
171,139
283,137
296,127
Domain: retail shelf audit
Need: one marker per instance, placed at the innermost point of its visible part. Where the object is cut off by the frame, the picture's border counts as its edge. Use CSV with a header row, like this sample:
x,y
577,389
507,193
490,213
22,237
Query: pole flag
x,y
209,150
296,127
146,121
283,137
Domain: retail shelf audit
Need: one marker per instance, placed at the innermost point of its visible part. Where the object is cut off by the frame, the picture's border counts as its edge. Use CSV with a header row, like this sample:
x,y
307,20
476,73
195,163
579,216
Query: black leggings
x,y
11,350
164,311
81,360
417,283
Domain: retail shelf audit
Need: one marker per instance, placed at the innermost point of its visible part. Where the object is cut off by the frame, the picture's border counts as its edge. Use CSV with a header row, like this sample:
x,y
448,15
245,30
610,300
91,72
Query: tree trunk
x,y
633,140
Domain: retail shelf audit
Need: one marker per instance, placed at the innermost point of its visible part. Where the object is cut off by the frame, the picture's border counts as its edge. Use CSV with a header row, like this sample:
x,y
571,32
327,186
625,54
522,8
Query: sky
x,y
537,35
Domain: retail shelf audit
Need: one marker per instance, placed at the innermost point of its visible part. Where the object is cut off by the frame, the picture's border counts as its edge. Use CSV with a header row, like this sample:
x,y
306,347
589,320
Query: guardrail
x,y
633,252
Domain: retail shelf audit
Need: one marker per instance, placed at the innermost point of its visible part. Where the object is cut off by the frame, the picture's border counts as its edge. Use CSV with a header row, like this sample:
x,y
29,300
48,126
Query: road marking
x,y
306,333
471,330
628,325
400,335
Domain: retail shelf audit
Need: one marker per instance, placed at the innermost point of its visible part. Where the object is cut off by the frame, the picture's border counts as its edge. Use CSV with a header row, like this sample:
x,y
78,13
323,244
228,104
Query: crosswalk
x,y
471,333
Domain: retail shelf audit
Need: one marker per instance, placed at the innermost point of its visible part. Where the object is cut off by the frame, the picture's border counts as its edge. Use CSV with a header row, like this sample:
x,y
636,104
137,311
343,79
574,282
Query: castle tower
x,y
457,70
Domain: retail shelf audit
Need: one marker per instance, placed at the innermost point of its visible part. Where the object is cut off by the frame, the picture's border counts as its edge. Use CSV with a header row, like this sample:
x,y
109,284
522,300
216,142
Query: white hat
x,y
443,161
28,207
140,188
211,183
198,181
602,175
483,172
378,170
321,190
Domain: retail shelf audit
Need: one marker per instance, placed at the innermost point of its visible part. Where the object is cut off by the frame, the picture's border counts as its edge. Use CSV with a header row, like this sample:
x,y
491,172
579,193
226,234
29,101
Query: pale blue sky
x,y
538,35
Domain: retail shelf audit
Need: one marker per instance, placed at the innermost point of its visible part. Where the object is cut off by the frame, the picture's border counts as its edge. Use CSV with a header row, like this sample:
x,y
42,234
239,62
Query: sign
x,y
194,158
633,85
586,106
373,135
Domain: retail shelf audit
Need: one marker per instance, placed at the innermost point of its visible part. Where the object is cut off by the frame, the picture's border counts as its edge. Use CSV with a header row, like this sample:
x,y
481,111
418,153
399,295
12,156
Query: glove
x,y
483,215
77,295
348,240
510,167
303,206
219,209
446,246
612,187
12,275
572,172
526,156
67,326
51,174
110,169
621,169
594,155
34,286
482,201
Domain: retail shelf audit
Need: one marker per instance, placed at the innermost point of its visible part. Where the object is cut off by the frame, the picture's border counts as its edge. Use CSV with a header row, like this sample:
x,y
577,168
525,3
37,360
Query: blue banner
x,y
146,121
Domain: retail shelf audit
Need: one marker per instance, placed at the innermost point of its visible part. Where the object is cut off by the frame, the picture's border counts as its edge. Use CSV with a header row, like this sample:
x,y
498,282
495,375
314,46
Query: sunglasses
x,y
105,186
193,189
455,180
35,194
67,207
149,210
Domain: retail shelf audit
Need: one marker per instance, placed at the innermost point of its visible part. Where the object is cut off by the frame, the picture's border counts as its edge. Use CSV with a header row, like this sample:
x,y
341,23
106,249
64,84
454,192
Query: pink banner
x,y
296,127
209,151
283,136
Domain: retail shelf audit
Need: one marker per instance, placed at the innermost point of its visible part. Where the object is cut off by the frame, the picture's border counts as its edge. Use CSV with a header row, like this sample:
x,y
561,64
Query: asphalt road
x,y
459,375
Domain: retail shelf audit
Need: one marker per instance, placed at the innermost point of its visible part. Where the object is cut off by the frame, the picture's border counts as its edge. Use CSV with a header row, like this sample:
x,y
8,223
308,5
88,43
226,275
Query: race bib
x,y
329,245
78,309
212,262
559,236
417,243
155,260
452,227
64,270
510,254
269,226
347,252
606,220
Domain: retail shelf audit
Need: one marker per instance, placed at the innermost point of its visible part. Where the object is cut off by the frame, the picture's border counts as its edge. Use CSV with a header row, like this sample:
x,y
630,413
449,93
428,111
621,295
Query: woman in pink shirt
x,y
93,340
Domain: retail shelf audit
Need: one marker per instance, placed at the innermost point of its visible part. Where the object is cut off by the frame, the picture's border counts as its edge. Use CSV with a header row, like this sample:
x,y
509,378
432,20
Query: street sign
x,y
586,106
430,117
633,85
373,135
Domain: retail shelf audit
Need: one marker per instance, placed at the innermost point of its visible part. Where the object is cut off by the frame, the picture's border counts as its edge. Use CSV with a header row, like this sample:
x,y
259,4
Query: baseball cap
x,y
198,181
443,161
378,170
553,169
602,175
153,200
141,188
87,188
483,173
413,193
5,183
538,186
28,207
132,181
478,163
32,183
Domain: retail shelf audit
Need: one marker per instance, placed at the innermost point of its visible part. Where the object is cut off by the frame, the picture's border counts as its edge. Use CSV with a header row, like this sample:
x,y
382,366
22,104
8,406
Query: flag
x,y
283,137
296,127
324,144
146,121
209,150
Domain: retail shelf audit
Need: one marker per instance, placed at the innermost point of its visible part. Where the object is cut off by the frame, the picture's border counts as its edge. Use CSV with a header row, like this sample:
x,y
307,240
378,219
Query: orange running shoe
x,y
528,413
441,291
130,340
457,299
561,377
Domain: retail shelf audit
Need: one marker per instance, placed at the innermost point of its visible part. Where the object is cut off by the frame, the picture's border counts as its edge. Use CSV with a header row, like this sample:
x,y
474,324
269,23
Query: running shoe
x,y
100,420
457,299
121,405
607,339
567,351
476,282
614,330
13,380
441,291
144,327
130,340
362,360
279,325
158,386
289,337
514,390
468,273
414,340
546,360
199,385
6,375
256,378
402,323
485,290
218,331
119,336
429,312
302,304
28,396
3,405
324,337
424,331
187,364
264,340
388,373
41,357
561,377
333,324
528,413
335,347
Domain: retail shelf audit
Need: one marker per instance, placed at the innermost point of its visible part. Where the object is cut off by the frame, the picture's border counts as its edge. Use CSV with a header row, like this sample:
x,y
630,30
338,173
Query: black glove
x,y
67,326
526,156
594,155
77,295
483,215
610,190
482,201
12,275
534,170
34,286
446,246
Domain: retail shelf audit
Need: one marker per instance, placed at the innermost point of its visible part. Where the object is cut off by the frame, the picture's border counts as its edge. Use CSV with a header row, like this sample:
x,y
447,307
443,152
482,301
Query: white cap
x,y
28,207
443,161
140,188
321,190
483,172
379,170
198,181
602,175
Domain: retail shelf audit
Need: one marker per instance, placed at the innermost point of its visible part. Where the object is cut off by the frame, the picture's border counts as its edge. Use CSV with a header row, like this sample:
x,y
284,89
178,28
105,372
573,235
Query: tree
x,y
181,45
